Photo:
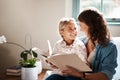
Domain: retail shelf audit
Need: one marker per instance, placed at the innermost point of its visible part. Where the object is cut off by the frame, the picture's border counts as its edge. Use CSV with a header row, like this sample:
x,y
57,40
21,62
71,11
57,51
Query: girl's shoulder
x,y
60,42
84,39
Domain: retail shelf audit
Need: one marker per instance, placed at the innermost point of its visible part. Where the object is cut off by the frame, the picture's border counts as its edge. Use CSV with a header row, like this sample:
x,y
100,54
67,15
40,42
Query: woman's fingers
x,y
72,71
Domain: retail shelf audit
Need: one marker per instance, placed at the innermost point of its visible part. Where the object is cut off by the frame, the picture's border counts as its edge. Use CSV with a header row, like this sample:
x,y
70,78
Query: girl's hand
x,y
72,72
51,65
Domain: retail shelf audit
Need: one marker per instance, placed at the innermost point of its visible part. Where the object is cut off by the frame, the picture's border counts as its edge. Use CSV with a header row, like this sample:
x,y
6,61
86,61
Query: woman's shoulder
x,y
111,44
109,50
109,47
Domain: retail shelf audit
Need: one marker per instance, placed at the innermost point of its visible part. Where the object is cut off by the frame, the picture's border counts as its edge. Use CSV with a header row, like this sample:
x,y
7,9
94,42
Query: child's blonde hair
x,y
64,21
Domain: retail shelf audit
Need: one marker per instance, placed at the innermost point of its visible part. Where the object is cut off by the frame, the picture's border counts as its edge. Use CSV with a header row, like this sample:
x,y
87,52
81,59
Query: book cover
x,y
69,59
14,69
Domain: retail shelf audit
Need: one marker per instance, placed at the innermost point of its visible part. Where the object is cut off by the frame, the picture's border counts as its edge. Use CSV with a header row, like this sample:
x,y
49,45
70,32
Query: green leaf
x,y
24,55
25,62
35,54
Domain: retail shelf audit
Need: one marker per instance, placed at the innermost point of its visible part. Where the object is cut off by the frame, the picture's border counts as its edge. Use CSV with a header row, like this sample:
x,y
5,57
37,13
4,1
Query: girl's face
x,y
84,28
69,32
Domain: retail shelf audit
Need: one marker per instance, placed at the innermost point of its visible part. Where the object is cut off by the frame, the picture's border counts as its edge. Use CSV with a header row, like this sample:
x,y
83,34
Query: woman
x,y
102,53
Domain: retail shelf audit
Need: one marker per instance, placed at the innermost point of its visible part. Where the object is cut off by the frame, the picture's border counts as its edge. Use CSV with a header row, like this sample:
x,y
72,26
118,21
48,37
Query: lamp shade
x,y
2,39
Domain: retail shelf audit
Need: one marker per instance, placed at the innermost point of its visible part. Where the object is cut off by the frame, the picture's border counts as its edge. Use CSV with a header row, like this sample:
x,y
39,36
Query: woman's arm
x,y
88,76
96,76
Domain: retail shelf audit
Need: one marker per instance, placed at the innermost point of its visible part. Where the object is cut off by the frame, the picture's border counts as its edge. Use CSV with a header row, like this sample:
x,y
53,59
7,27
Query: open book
x,y
71,60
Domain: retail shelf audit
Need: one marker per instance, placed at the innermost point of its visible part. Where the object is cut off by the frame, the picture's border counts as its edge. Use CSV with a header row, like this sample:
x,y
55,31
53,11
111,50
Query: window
x,y
109,8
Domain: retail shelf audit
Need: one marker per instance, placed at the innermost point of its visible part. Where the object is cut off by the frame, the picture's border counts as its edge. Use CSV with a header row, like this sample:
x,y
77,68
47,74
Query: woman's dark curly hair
x,y
97,26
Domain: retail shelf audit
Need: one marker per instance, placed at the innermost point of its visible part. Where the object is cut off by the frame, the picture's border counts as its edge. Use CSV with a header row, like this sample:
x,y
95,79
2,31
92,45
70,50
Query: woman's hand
x,y
72,72
51,65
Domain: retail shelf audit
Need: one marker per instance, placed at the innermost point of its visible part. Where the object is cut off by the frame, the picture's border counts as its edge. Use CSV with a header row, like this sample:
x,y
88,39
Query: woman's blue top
x,y
105,59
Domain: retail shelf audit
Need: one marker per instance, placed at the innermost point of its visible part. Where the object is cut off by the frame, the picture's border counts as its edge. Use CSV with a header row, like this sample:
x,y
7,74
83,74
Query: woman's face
x,y
84,28
69,32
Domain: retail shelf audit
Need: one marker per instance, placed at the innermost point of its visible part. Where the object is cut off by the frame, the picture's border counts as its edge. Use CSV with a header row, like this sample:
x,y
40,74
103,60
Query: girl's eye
x,y
70,29
74,28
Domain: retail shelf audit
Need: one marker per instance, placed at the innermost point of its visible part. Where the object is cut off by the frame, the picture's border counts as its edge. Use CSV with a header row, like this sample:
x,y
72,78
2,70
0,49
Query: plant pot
x,y
39,66
29,73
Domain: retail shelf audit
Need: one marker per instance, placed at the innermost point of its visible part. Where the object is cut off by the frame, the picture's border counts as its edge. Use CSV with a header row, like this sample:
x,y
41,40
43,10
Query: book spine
x,y
15,71
13,74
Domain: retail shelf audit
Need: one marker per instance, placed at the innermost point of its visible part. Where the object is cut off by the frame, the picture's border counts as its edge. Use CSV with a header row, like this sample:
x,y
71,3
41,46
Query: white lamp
x,y
2,39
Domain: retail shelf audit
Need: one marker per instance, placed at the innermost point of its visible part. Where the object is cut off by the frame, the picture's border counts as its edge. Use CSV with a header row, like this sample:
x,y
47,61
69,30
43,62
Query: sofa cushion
x,y
117,42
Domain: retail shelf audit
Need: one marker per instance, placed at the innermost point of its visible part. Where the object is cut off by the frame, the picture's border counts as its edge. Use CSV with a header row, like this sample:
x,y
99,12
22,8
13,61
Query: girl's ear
x,y
61,32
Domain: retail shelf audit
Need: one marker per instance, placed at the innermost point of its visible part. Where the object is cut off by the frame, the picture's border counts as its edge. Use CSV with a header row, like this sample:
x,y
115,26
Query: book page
x,y
69,59
49,48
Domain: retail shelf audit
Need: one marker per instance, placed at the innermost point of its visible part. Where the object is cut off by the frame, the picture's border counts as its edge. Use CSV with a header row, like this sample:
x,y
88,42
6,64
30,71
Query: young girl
x,y
69,44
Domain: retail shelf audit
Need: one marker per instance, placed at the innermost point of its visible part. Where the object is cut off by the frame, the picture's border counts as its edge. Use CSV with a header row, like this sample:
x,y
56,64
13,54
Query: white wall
x,y
115,31
36,19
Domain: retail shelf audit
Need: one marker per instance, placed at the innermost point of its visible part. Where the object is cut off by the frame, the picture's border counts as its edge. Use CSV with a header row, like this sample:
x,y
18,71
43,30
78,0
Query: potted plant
x,y
29,58
28,61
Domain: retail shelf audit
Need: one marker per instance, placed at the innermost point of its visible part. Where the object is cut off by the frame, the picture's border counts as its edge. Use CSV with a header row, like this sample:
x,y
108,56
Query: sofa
x,y
117,42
